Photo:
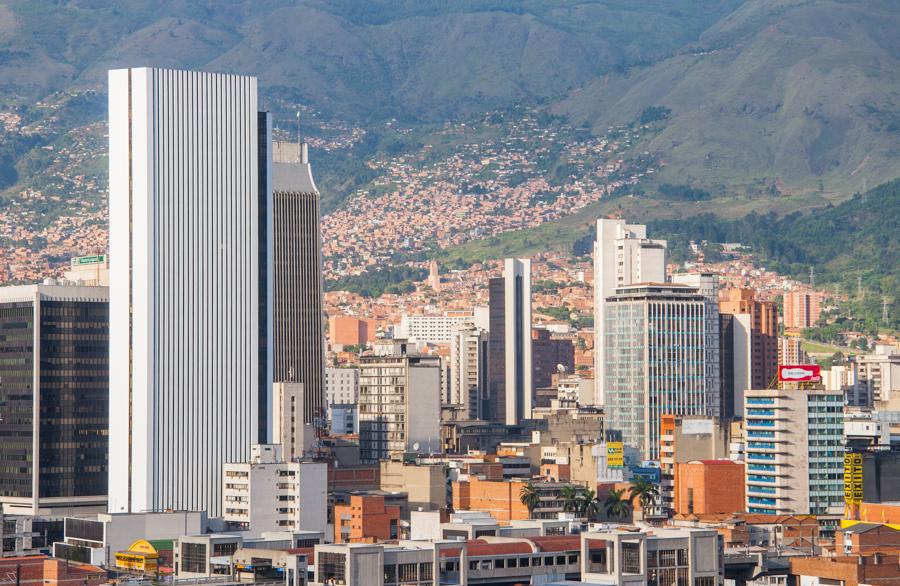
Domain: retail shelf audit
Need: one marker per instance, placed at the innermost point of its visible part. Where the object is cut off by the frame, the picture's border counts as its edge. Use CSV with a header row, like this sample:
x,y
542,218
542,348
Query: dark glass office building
x,y
54,398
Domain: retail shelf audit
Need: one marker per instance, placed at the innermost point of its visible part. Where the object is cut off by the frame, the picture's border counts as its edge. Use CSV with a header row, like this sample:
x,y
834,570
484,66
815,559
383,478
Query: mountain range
x,y
789,103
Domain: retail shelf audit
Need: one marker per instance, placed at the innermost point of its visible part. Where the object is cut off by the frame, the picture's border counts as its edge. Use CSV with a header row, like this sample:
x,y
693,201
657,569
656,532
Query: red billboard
x,y
799,373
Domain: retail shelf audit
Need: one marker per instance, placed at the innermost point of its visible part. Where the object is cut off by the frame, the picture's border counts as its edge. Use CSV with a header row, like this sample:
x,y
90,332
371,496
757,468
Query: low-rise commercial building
x,y
663,556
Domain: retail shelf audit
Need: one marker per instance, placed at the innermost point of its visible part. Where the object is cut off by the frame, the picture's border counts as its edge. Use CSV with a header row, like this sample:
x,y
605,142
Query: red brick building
x,y
709,486
42,571
366,519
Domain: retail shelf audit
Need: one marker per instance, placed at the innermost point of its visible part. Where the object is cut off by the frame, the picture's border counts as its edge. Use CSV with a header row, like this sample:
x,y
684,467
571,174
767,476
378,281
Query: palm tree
x,y
570,498
590,506
644,490
530,498
616,505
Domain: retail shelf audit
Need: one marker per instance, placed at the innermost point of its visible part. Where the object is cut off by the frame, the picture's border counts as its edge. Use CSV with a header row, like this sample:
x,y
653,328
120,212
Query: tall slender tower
x,y
298,342
190,379
509,349
623,255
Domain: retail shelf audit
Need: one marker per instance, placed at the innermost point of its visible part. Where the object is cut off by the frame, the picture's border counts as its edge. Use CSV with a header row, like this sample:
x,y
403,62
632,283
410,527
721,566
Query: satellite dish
x,y
561,368
416,447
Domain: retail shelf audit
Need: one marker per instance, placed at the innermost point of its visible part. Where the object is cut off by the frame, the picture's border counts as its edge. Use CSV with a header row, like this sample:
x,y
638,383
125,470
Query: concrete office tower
x,y
54,399
266,494
655,360
399,406
190,285
749,342
298,344
623,255
509,356
795,451
468,372
707,284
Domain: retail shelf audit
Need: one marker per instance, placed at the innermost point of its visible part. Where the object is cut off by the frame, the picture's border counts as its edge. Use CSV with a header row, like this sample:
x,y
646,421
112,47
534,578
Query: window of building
x,y
705,581
193,558
409,572
224,549
631,558
524,562
426,571
332,567
500,563
390,574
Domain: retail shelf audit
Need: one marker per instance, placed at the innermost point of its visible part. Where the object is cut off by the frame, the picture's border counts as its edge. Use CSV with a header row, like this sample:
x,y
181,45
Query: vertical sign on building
x,y
853,479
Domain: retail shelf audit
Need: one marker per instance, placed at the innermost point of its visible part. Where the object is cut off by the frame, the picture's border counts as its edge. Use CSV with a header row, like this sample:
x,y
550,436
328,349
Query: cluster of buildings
x,y
167,410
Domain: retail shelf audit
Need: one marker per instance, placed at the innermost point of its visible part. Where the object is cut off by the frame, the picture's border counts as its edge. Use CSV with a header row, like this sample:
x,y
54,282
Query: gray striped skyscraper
x,y
190,285
298,336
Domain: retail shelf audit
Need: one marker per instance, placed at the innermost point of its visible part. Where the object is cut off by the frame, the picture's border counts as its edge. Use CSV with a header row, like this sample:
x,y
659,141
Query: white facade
x,y
289,403
188,377
266,494
468,370
878,378
431,329
623,255
517,325
341,386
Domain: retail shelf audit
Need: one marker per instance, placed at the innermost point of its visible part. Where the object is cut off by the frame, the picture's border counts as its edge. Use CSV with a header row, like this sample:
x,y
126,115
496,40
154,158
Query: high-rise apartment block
x,y
190,284
749,346
468,372
655,360
878,378
510,358
298,343
399,406
267,494
54,399
795,451
623,255
802,309
790,351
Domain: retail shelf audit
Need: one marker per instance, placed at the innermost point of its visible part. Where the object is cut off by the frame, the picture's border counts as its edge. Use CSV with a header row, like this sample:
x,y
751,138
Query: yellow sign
x,y
615,455
853,479
140,557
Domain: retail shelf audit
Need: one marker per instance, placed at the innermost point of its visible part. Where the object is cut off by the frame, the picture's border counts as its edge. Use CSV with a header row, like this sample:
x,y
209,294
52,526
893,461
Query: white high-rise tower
x,y
623,255
190,285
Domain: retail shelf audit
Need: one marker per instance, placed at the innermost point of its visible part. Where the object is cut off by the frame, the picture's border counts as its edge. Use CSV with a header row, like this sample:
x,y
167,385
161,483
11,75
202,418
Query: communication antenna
x,y
859,287
812,276
884,310
298,128
865,191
